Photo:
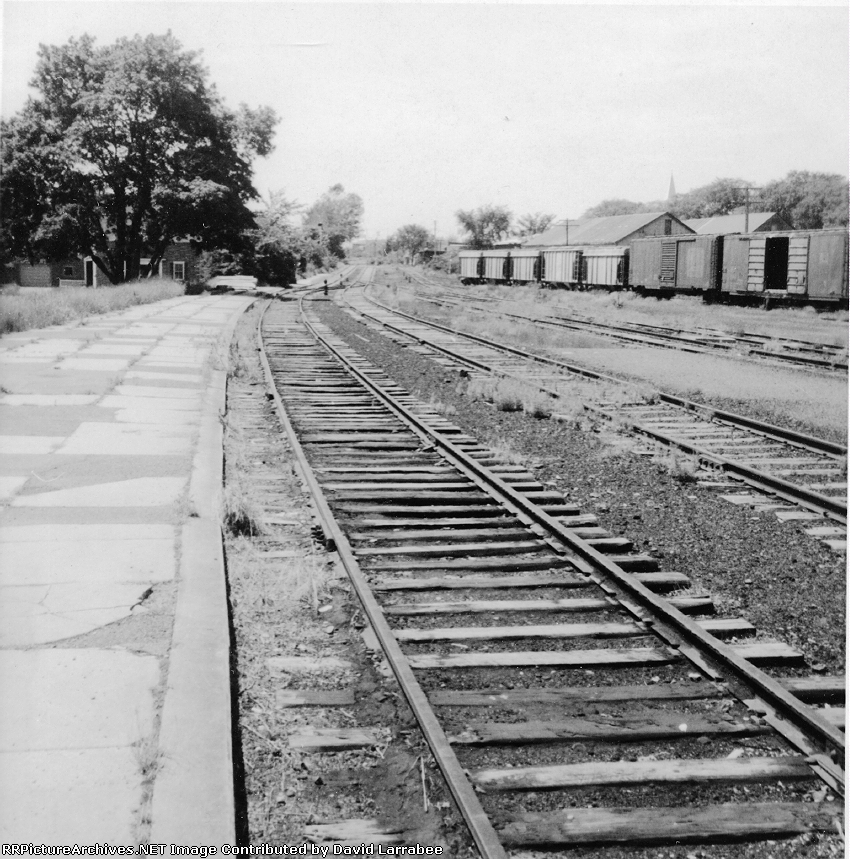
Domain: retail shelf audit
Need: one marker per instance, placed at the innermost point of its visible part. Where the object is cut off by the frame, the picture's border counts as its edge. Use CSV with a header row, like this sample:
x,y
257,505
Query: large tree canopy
x,y
339,215
530,225
808,201
128,149
485,225
615,206
719,197
410,238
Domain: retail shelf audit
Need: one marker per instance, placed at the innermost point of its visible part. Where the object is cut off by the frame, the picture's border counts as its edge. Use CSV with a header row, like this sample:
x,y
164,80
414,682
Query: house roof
x,y
597,231
725,224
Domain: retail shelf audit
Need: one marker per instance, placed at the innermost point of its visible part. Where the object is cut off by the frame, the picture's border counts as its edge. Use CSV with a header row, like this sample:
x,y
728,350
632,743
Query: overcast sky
x,y
423,109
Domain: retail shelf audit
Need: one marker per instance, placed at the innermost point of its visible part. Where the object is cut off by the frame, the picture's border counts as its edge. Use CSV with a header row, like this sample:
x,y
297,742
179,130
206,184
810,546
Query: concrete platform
x,y
113,623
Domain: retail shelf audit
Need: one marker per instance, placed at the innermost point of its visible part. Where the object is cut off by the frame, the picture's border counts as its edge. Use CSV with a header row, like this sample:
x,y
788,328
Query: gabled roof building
x,y
613,230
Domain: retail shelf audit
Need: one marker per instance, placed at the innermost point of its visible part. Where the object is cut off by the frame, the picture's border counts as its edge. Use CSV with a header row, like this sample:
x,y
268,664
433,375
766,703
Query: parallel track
x,y
466,568
801,353
794,467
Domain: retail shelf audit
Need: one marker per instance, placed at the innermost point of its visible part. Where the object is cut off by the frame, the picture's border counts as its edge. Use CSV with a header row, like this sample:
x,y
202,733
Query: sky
x,y
424,109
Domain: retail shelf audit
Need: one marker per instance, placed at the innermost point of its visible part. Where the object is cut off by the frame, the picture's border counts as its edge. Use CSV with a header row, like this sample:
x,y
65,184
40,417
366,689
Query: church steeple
x,y
671,194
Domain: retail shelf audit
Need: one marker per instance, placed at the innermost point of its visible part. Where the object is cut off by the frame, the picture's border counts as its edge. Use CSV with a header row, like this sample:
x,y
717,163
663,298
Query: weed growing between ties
x,y
57,306
680,466
241,515
510,395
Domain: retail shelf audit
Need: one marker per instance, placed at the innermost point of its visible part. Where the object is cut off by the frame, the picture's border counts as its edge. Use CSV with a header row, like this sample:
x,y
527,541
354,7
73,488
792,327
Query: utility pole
x,y
747,189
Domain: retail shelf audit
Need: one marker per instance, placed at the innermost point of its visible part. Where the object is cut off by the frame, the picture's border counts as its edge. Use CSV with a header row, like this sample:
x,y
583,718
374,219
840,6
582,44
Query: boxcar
x,y
804,265
470,266
496,264
677,263
525,265
604,266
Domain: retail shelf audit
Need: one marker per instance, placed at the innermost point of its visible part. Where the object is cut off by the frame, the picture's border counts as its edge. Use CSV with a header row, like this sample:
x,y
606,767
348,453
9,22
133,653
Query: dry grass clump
x,y
503,451
511,395
680,466
58,306
440,407
240,514
308,580
239,366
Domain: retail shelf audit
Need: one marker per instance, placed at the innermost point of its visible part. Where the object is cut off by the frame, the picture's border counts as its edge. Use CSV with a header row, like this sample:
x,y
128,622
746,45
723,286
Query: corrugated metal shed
x,y
724,225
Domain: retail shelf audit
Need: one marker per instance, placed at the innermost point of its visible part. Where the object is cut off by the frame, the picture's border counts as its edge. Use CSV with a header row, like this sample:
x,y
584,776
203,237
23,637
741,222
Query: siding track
x,y
494,596
796,468
801,353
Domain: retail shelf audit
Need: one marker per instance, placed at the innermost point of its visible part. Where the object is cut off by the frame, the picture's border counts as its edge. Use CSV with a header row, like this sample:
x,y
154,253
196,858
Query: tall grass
x,y
22,312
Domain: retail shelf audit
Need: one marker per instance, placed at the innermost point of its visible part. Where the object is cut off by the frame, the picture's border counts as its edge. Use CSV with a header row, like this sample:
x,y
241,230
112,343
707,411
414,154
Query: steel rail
x,y
835,508
644,333
768,430
480,827
774,694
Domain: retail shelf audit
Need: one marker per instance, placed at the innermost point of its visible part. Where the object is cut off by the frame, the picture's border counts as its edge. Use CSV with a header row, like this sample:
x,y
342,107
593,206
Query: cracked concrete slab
x,y
139,492
75,561
10,485
39,614
29,444
78,796
125,439
106,698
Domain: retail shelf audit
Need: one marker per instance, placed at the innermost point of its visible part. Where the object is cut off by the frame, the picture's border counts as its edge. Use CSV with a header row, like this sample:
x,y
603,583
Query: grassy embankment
x,y
24,311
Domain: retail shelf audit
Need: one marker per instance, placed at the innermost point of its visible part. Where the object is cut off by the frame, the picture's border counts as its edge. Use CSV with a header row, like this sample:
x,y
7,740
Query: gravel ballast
x,y
789,585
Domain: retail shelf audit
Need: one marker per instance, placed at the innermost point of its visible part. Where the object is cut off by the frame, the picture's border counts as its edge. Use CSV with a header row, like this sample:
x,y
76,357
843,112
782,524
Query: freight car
x,y
803,266
783,267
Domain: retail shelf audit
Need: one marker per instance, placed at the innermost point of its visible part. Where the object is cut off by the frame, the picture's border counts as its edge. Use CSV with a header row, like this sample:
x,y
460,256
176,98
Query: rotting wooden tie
x,y
625,773
655,826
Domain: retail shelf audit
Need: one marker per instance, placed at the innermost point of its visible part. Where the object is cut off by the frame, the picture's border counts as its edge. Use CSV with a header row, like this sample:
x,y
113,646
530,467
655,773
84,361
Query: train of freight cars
x,y
804,266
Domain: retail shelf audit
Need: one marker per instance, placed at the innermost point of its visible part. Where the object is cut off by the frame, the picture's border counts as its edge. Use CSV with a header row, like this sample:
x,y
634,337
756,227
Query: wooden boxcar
x,y
804,265
676,263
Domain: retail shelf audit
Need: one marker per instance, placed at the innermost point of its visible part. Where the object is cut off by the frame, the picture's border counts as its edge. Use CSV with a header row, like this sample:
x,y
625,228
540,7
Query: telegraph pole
x,y
747,189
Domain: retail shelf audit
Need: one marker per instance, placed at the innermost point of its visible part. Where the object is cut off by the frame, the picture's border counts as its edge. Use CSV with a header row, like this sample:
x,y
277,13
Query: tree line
x,y
807,201
129,148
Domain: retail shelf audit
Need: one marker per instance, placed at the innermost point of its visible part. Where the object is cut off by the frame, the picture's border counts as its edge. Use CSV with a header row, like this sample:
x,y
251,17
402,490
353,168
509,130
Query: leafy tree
x,y
809,201
410,238
279,245
339,214
719,197
614,207
485,225
530,225
128,149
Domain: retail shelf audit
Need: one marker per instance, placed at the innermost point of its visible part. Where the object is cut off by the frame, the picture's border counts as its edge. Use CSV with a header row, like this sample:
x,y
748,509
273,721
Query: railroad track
x,y
566,701
792,468
801,353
